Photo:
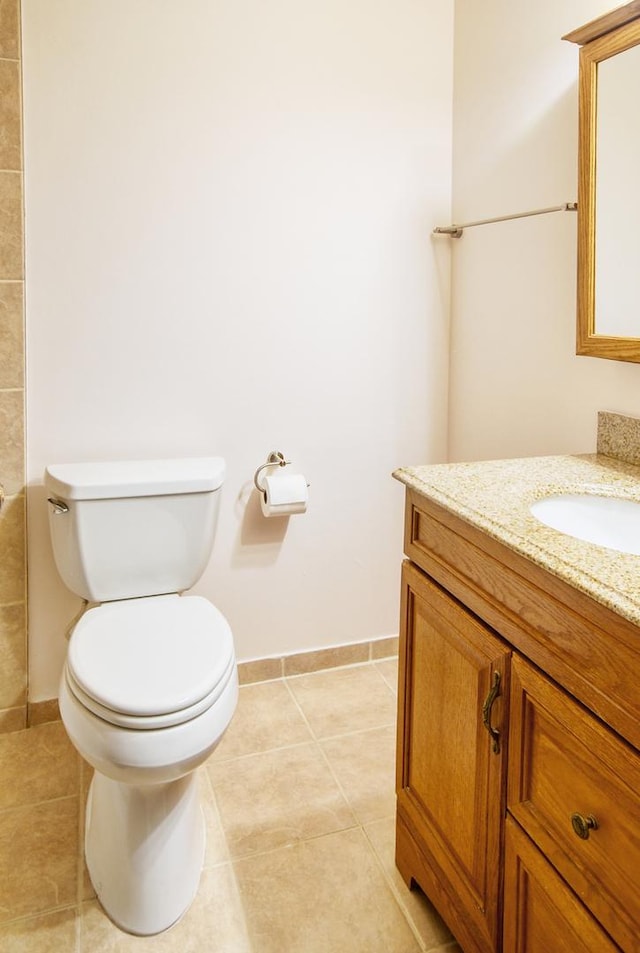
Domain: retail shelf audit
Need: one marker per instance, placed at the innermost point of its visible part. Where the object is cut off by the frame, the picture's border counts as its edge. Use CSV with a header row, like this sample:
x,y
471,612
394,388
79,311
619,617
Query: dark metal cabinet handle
x,y
486,712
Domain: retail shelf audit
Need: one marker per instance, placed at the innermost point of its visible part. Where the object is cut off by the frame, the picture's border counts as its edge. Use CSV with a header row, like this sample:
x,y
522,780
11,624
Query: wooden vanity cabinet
x,y
495,788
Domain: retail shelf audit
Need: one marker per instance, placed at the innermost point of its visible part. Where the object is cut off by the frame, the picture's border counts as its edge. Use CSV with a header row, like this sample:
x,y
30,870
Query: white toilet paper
x,y
284,494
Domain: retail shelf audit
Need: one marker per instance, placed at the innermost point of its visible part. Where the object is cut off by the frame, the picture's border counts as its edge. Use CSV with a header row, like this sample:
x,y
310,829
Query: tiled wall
x,y
13,652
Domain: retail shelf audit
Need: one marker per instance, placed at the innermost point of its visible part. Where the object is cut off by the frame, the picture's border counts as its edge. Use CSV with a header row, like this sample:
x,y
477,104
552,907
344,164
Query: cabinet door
x,y
541,913
451,769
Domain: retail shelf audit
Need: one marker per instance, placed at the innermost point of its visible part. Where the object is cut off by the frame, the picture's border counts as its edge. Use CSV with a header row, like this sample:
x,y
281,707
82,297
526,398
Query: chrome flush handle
x,y
58,506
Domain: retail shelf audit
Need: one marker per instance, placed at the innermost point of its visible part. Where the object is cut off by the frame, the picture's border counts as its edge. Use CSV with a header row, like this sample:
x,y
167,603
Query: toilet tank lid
x,y
130,478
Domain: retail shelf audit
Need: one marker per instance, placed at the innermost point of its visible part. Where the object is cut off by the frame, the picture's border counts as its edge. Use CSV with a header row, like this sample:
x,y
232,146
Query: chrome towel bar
x,y
455,231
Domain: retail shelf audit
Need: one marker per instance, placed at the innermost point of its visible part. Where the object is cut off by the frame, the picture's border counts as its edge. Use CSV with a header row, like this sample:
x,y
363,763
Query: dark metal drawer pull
x,y
583,825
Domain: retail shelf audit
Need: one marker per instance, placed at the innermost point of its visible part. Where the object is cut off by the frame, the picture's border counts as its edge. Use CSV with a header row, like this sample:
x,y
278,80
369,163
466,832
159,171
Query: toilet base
x,y
144,847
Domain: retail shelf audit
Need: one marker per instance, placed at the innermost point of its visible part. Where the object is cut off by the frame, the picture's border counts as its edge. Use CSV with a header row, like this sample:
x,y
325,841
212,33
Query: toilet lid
x,y
150,658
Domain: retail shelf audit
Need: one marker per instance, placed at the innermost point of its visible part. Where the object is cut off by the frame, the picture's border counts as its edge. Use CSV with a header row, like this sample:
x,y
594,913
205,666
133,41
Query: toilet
x,y
150,682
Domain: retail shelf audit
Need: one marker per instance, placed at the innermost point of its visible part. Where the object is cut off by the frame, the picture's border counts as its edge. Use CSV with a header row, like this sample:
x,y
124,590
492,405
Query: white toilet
x,y
150,681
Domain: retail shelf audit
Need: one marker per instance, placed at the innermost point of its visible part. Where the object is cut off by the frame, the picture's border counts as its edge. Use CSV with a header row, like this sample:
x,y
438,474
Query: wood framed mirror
x,y
608,292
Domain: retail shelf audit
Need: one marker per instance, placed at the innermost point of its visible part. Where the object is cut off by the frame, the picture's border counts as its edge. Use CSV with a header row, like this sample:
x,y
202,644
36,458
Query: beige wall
x,y
228,209
13,661
517,386
250,267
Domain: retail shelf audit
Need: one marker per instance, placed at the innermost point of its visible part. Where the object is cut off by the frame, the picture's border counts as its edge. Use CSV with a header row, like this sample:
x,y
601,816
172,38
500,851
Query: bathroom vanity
x,y
518,768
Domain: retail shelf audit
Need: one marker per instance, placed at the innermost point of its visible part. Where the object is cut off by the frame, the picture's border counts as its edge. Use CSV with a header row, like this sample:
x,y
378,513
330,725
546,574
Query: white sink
x,y
605,520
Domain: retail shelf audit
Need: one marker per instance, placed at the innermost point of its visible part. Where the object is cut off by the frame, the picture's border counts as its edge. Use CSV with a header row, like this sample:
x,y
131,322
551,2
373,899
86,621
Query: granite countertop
x,y
495,496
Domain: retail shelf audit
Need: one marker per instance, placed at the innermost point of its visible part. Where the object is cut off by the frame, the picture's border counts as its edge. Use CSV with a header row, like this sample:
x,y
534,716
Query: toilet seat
x,y
152,662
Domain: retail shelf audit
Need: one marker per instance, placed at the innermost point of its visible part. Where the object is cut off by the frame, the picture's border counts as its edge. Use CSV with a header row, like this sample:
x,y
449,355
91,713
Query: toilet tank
x,y
125,529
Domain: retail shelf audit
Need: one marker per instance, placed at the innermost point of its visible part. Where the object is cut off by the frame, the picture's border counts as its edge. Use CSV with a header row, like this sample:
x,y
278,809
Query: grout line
x,y
78,929
338,668
294,844
395,892
298,705
240,906
339,786
213,762
213,801
358,731
37,914
32,804
373,663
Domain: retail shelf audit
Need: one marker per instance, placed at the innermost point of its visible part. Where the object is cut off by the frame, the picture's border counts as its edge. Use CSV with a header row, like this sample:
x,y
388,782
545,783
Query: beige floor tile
x,y
38,858
37,764
388,668
326,895
213,924
364,766
50,933
266,717
427,922
216,851
344,700
276,798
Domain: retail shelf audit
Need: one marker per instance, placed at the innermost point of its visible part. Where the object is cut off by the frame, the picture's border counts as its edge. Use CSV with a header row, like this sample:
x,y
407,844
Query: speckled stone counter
x,y
495,496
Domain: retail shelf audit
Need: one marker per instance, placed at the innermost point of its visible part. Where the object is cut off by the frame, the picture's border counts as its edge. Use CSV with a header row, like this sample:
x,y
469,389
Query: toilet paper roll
x,y
284,494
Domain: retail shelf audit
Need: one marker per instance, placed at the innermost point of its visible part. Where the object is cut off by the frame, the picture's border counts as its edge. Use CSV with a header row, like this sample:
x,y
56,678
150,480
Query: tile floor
x,y
299,805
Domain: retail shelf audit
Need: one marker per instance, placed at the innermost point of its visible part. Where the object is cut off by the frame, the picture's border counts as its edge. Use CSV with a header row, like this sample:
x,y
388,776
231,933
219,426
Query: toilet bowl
x,y
144,832
149,685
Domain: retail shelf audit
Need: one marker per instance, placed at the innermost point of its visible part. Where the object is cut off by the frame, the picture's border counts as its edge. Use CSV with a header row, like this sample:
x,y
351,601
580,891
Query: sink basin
x,y
605,520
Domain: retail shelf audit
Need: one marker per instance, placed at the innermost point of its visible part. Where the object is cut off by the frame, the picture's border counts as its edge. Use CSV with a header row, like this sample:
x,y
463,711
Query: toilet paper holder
x,y
275,459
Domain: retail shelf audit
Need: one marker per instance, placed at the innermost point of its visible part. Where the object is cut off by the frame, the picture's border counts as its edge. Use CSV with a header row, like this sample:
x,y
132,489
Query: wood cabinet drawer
x,y
543,915
566,772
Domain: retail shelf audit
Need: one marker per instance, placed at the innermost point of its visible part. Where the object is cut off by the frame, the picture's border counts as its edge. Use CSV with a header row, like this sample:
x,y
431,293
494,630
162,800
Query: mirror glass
x,y
617,205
